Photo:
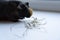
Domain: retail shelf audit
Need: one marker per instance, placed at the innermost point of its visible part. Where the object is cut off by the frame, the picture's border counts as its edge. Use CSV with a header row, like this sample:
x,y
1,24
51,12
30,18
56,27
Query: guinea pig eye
x,y
19,7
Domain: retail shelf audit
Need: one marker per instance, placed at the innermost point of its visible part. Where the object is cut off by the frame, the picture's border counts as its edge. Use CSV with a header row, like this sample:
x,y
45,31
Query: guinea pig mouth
x,y
29,13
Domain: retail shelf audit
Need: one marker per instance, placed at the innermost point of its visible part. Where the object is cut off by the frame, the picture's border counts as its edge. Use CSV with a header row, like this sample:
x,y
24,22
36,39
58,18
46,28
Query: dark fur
x,y
9,10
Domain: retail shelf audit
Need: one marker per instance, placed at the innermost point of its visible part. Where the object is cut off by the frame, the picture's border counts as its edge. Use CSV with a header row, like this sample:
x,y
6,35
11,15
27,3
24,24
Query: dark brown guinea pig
x,y
14,10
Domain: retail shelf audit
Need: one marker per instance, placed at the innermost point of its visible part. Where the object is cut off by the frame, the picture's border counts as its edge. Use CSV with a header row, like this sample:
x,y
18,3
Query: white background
x,y
51,5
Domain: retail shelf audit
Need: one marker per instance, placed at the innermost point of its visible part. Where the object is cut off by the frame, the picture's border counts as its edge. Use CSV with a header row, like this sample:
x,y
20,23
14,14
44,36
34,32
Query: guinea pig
x,y
14,10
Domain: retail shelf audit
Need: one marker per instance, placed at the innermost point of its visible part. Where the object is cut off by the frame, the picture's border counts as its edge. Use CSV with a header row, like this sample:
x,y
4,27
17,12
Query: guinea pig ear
x,y
27,3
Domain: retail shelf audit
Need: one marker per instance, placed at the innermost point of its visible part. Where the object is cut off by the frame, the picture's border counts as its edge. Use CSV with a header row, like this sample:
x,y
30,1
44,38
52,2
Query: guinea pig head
x,y
24,10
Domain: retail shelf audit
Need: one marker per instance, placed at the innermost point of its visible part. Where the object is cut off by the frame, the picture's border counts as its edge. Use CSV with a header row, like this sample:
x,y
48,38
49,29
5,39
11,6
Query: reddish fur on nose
x,y
30,10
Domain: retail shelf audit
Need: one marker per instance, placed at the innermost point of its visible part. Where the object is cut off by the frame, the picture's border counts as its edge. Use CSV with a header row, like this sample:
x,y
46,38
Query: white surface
x,y
52,28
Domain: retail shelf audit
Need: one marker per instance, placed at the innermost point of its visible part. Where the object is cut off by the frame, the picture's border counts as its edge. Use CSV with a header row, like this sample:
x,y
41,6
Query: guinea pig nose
x,y
29,13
